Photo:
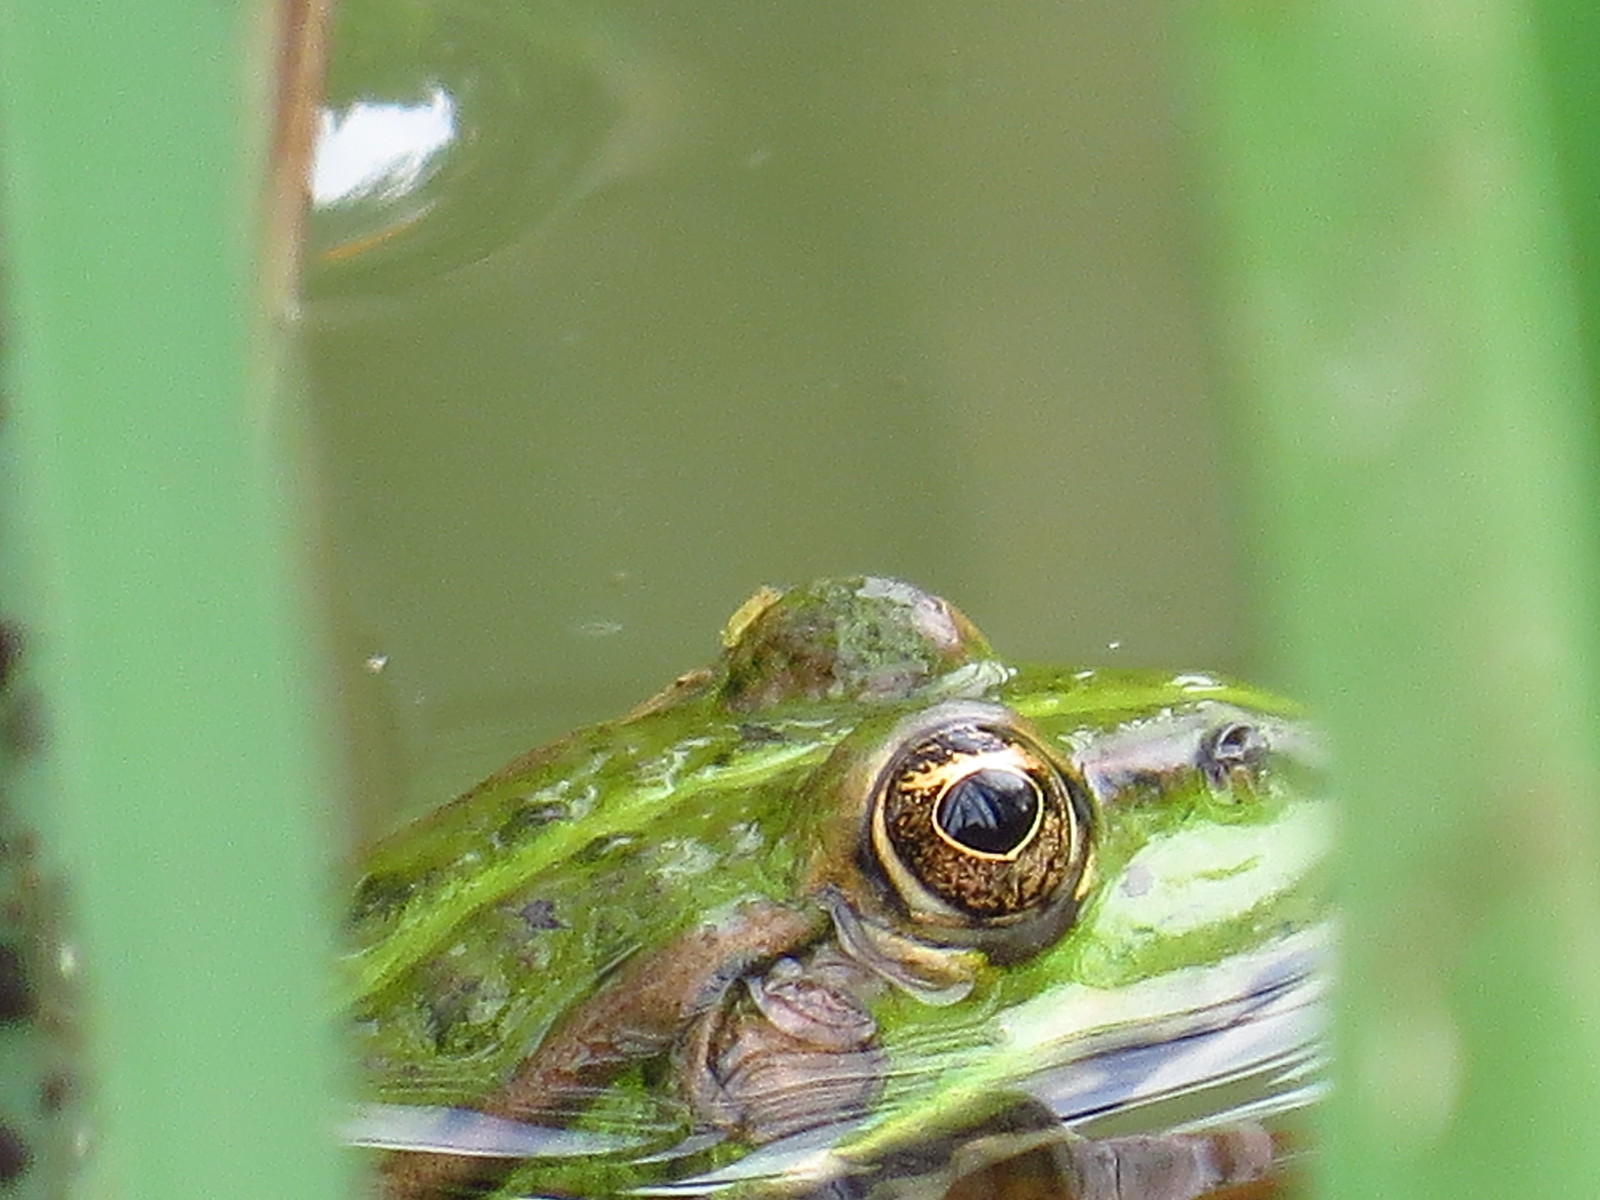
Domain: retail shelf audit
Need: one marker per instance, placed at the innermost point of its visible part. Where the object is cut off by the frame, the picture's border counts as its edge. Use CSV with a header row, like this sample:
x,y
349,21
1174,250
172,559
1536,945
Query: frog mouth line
x,y
1256,1017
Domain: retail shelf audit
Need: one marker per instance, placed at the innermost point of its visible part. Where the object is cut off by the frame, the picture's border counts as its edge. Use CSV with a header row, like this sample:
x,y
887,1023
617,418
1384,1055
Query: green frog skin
x,y
861,875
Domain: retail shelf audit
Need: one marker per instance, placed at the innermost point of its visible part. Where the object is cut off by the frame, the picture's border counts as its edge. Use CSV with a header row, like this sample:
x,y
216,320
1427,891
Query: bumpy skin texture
x,y
639,1013
861,639
687,913
798,1047
840,641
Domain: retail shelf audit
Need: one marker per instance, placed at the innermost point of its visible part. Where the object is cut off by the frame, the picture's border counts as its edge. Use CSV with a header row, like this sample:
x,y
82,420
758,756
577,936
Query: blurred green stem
x,y
1405,323
173,655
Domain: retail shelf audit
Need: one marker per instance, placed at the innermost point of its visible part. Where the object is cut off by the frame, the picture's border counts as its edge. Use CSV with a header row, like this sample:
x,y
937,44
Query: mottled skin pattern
x,y
720,912
882,642
639,1013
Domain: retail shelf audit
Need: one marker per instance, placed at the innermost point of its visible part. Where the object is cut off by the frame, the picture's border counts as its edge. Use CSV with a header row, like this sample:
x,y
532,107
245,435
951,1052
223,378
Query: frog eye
x,y
991,812
975,821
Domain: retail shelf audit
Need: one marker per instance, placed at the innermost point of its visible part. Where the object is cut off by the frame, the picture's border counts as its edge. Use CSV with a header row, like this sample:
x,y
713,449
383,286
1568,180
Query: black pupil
x,y
989,811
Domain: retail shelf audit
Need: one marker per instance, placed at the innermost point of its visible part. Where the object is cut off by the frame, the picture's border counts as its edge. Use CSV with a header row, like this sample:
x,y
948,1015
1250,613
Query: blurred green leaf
x,y
1406,325
172,657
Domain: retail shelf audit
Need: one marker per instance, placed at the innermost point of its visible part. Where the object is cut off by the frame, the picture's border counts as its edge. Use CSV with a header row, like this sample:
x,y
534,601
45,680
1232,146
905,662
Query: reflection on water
x,y
625,309
1205,1096
373,170
1044,1162
617,310
489,119
378,151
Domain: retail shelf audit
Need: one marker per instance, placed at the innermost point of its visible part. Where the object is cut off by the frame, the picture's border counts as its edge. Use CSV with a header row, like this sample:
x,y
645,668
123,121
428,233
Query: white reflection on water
x,y
379,150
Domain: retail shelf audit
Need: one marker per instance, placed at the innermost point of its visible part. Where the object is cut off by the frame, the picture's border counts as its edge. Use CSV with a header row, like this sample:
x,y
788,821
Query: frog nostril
x,y
990,811
1232,754
1235,740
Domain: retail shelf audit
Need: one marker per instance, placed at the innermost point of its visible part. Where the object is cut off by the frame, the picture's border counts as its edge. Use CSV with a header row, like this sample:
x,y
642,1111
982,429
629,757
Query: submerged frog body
x,y
859,886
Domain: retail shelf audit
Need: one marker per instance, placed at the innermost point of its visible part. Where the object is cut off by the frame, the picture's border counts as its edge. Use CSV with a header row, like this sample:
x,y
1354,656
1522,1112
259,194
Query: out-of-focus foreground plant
x,y
1411,331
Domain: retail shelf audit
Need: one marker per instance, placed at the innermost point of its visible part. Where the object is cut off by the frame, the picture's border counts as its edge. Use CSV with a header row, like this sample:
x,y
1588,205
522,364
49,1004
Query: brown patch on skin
x,y
1226,1164
15,1155
638,1015
858,638
1285,1175
798,1049
689,686
1173,1166
1031,1175
520,765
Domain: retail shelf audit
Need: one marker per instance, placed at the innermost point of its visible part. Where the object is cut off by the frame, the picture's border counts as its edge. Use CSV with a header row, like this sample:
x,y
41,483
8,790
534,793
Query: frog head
x,y
859,870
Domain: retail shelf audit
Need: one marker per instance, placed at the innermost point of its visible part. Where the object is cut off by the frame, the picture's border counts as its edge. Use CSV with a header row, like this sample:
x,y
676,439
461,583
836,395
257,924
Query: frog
x,y
856,895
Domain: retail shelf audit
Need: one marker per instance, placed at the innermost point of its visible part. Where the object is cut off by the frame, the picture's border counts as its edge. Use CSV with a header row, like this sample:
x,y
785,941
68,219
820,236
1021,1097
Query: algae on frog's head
x,y
858,639
812,880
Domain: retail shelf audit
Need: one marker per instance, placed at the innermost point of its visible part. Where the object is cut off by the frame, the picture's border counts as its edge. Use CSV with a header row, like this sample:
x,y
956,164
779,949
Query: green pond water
x,y
618,311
